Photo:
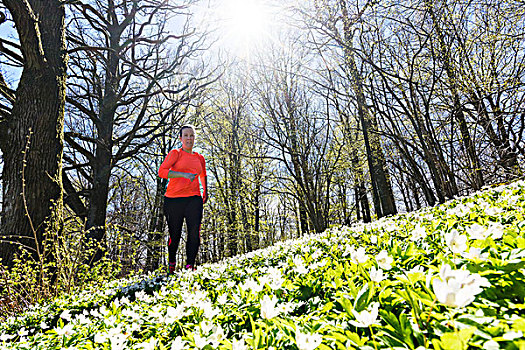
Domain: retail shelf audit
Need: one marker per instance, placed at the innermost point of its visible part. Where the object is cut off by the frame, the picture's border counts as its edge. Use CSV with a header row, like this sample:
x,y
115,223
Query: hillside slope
x,y
448,277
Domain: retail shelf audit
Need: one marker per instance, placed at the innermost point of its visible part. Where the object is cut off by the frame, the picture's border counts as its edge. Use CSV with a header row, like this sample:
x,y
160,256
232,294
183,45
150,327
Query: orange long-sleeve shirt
x,y
180,160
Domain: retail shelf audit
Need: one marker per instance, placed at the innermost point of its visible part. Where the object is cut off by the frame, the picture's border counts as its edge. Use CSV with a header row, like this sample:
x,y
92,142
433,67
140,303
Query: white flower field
x,y
448,277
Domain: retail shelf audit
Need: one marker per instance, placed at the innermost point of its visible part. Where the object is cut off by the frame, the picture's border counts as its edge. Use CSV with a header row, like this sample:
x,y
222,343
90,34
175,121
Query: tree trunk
x,y
360,192
303,219
381,187
103,161
32,135
257,216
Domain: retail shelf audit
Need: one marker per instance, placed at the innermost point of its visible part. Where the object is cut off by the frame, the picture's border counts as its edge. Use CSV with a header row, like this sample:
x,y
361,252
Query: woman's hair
x,y
186,126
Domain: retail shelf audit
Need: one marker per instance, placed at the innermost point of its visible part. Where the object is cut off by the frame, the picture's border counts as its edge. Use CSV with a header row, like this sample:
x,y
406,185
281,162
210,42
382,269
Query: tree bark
x,y
32,135
383,195
102,162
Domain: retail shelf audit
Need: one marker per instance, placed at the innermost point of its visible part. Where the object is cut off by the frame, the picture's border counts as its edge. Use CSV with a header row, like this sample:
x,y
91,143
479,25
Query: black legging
x,y
175,210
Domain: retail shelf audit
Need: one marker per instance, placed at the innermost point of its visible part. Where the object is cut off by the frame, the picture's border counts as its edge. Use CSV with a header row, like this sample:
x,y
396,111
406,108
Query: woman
x,y
183,198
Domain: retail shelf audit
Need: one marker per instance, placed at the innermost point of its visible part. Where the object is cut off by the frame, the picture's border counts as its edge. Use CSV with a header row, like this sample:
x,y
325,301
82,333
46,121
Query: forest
x,y
310,114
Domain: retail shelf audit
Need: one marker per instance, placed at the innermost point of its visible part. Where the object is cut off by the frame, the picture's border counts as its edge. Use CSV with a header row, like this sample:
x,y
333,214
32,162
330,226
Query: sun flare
x,y
245,23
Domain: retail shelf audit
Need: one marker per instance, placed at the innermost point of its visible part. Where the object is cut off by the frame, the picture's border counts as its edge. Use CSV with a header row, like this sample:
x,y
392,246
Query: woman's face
x,y
187,138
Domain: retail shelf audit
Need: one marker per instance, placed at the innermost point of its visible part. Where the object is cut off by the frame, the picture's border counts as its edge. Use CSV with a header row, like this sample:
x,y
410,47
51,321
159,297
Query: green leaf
x,y
399,328
520,241
456,340
519,325
345,302
364,297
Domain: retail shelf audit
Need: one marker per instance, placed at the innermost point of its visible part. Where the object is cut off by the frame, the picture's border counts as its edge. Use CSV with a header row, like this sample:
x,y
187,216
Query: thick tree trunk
x,y
96,220
303,219
383,195
253,238
103,161
32,136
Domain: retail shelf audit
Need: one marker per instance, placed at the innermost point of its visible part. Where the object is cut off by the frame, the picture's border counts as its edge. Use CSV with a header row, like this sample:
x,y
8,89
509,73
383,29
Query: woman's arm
x,y
168,162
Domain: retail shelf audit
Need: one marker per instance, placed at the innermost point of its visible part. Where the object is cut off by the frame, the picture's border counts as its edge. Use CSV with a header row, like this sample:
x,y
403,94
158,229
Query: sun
x,y
244,23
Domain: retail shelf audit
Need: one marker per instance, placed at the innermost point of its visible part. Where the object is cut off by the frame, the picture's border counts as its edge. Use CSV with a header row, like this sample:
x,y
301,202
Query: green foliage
x,y
63,269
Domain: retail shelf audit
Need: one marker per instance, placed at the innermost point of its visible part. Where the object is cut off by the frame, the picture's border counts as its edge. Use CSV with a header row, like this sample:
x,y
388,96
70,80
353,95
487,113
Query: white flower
x,y
457,288
95,313
178,344
200,342
474,253
460,210
307,341
511,335
367,317
155,312
253,285
66,330
299,265
209,310
217,336
477,231
495,230
239,345
493,211
222,299
206,327
384,260
141,296
268,309
376,275
348,250
6,337
149,345
359,256
82,319
286,308
391,227
277,280
173,314
456,242
416,269
491,345
100,338
65,315
110,321
373,239
418,232
195,298
118,340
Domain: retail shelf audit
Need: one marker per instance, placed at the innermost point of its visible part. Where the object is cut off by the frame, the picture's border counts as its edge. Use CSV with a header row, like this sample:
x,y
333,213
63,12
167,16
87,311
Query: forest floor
x,y
447,277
